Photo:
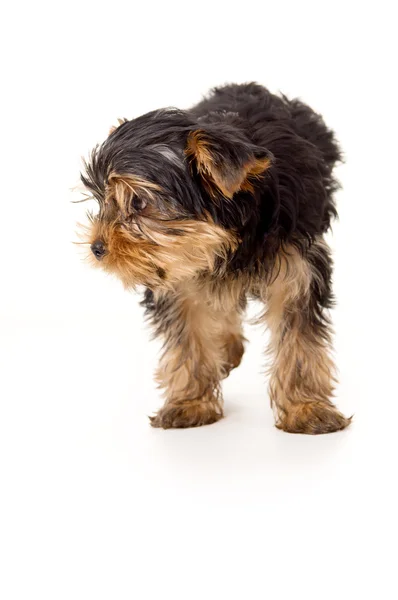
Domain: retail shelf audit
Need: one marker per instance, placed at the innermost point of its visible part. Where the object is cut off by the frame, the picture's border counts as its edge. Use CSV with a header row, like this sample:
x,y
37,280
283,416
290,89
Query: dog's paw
x,y
187,414
313,418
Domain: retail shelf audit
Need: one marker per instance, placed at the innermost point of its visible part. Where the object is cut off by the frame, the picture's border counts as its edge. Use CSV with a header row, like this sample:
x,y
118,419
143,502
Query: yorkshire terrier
x,y
211,206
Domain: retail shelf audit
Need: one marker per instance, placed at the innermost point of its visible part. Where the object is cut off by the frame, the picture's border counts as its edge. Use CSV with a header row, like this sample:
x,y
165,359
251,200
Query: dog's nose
x,y
98,249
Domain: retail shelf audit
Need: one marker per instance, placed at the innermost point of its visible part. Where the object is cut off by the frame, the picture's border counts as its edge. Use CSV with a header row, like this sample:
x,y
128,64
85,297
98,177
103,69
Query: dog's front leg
x,y
198,339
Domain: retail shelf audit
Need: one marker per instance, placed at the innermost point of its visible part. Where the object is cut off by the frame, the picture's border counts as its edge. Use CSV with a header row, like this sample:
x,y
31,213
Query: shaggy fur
x,y
206,208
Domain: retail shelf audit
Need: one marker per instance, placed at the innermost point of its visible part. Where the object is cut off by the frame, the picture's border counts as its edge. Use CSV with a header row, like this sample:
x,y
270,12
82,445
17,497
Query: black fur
x,y
291,203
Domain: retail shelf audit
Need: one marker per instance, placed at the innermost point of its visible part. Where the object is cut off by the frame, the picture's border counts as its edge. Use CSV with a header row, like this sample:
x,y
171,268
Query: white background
x,y
94,503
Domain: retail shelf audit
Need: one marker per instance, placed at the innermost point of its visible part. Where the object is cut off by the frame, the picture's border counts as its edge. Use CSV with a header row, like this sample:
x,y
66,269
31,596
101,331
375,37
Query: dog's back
x,y
257,106
296,198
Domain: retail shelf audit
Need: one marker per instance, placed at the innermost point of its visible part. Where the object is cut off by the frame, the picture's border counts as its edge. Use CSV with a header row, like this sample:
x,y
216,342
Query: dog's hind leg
x,y
302,373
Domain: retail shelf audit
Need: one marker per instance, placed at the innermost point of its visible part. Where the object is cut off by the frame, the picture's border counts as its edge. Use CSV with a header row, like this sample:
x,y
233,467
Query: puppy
x,y
211,206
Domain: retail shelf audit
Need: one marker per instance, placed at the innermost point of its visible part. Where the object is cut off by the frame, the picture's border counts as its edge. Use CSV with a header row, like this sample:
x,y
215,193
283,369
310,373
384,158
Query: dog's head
x,y
173,196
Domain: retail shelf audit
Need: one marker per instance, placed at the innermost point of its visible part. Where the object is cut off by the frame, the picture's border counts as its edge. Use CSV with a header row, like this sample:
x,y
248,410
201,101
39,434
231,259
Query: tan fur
x,y
302,374
199,149
313,418
251,171
122,188
206,344
147,253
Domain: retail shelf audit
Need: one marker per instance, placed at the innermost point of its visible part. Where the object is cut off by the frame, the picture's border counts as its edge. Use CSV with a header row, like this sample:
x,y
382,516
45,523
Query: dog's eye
x,y
138,204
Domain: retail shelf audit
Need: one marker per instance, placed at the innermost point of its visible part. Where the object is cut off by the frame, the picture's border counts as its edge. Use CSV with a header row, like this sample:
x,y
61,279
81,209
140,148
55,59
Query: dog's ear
x,y
225,160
